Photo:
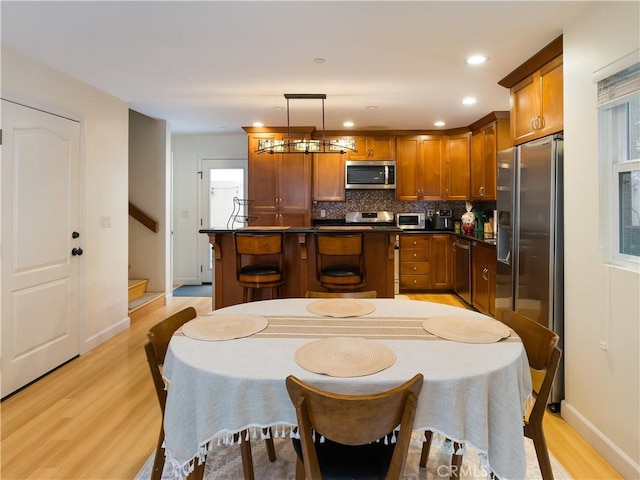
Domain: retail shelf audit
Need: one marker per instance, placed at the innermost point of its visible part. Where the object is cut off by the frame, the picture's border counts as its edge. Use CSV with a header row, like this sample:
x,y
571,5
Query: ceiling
x,y
213,67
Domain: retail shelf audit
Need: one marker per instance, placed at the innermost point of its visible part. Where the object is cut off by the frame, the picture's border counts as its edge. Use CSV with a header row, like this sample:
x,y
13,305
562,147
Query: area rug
x,y
224,463
193,291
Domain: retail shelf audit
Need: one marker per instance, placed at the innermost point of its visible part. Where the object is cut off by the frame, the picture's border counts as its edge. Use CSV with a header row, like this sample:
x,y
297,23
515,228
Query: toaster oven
x,y
411,221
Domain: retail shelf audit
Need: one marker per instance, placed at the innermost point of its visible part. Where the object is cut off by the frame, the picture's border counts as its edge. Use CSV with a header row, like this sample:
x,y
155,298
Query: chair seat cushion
x,y
346,462
341,271
259,269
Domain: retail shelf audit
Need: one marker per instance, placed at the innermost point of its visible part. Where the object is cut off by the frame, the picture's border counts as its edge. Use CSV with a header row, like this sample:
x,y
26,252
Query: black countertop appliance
x,y
442,220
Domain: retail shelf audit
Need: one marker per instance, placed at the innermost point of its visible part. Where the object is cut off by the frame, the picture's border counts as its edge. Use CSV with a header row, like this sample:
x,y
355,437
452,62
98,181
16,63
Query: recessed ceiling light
x,y
439,123
371,107
469,100
319,60
258,124
278,108
347,124
476,59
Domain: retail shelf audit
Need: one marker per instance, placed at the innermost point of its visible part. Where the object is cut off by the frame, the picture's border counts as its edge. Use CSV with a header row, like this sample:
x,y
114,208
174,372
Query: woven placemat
x,y
467,329
341,307
345,356
224,326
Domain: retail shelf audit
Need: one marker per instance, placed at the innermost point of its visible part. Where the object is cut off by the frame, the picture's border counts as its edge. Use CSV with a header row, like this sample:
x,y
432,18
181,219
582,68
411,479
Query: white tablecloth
x,y
472,393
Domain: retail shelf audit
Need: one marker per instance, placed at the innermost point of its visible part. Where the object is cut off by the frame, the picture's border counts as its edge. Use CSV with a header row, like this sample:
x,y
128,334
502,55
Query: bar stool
x,y
340,261
259,262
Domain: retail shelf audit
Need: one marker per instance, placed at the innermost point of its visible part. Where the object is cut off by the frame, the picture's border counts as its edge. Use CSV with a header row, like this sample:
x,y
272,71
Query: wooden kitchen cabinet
x,y
458,157
440,267
486,141
328,176
420,167
279,187
425,261
483,278
537,103
415,256
374,148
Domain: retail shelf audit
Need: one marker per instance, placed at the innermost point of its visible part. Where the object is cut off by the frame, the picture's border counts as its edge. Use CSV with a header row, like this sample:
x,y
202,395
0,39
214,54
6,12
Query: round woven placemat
x,y
341,307
345,356
467,329
224,326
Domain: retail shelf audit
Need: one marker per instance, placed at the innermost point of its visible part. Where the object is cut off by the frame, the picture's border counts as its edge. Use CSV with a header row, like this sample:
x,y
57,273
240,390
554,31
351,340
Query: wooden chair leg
x,y
247,460
271,449
300,475
456,461
158,461
198,472
540,444
426,447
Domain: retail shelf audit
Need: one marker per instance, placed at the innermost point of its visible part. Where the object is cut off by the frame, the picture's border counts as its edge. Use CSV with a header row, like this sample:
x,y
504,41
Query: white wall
x,y
148,190
602,302
188,153
104,157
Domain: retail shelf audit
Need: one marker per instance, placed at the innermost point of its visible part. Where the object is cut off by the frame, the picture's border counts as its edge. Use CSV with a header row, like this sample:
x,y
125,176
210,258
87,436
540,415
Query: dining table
x,y
474,392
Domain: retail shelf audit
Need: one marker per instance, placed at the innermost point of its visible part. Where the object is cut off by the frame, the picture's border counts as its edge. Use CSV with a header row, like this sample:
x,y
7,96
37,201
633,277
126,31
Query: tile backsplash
x,y
377,200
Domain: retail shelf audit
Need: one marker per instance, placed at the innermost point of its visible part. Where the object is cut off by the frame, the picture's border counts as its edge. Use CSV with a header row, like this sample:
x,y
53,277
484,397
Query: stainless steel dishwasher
x,y
462,285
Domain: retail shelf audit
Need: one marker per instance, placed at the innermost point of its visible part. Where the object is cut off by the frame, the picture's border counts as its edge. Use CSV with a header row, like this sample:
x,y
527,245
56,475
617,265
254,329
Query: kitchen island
x,y
300,260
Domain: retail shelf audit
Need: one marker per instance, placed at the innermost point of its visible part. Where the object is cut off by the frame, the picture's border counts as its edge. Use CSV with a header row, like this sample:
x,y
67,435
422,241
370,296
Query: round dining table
x,y
473,393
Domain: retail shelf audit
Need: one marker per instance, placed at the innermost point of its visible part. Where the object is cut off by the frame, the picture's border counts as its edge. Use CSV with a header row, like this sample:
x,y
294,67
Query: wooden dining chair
x,y
353,433
156,349
543,353
363,294
340,261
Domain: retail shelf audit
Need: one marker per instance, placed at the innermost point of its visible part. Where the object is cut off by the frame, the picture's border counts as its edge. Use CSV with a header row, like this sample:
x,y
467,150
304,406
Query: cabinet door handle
x,y
541,122
533,123
446,193
485,272
481,189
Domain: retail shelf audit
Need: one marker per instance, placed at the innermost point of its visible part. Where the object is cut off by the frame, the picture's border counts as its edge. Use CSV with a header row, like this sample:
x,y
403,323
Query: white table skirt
x,y
472,393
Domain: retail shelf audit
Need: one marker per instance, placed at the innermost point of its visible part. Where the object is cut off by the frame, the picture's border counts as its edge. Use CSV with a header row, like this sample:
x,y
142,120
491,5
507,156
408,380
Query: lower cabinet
x,y
483,278
415,255
425,261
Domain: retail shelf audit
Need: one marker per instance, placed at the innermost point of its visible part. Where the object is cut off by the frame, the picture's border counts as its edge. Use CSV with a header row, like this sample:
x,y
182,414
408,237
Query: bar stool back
x,y
340,263
259,262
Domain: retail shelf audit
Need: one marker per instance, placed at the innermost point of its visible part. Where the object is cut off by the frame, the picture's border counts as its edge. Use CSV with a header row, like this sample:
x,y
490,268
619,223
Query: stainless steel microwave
x,y
362,174
411,221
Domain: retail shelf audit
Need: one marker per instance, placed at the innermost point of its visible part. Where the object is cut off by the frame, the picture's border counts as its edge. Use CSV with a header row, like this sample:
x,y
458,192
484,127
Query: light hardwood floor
x,y
97,417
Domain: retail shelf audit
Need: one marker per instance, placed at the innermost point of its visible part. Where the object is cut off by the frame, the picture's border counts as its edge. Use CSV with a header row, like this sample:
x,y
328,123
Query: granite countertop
x,y
478,236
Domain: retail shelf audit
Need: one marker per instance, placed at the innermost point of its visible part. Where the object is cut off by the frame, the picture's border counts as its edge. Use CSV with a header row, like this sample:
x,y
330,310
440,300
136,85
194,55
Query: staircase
x,y
141,302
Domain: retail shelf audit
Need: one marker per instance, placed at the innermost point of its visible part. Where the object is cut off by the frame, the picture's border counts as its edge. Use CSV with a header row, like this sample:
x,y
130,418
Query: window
x,y
619,127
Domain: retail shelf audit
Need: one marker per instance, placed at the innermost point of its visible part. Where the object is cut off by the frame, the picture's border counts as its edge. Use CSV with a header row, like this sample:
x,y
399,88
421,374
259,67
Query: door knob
x,y
75,235
76,251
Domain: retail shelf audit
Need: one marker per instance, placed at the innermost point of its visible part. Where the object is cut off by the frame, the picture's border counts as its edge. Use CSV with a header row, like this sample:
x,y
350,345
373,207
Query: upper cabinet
x,y
537,95
458,156
536,103
421,167
374,148
433,167
487,139
328,176
279,187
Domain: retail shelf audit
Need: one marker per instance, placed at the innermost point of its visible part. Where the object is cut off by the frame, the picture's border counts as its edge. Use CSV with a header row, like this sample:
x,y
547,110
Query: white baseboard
x,y
186,281
106,334
619,460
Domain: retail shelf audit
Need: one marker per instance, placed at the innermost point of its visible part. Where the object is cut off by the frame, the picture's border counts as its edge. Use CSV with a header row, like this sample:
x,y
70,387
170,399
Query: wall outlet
x,y
323,213
430,213
105,222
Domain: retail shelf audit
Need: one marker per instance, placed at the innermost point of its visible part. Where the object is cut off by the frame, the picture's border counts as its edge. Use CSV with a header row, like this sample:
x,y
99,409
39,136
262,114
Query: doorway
x,y
222,181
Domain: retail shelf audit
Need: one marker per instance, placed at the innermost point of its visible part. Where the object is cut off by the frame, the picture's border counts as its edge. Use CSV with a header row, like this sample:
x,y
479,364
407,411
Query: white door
x,y
41,243
222,181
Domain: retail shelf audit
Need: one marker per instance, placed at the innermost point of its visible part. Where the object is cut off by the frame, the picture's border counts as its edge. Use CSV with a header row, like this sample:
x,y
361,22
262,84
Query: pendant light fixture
x,y
290,145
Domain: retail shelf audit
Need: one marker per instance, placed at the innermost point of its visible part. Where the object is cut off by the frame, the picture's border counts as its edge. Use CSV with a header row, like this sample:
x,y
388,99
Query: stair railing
x,y
142,217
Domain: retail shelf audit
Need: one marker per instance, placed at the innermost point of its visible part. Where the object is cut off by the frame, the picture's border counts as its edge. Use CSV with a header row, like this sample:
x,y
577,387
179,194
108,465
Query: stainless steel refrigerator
x,y
530,268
